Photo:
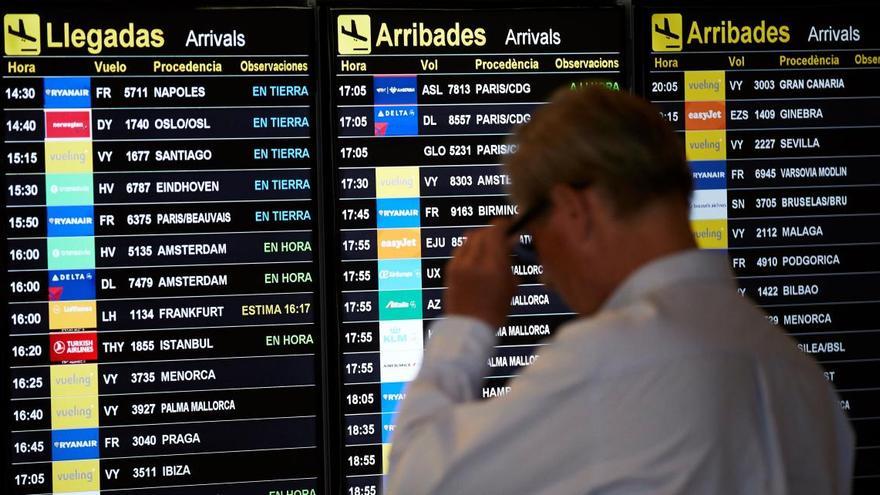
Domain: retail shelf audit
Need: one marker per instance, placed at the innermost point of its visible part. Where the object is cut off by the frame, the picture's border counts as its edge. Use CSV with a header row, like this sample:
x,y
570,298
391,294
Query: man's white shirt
x,y
678,385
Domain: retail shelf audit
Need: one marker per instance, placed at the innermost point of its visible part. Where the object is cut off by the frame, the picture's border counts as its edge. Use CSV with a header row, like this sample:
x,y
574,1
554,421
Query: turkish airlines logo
x,y
59,347
73,347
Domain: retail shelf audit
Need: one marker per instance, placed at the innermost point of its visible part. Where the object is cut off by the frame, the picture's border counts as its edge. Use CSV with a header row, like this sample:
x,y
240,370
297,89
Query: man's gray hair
x,y
615,141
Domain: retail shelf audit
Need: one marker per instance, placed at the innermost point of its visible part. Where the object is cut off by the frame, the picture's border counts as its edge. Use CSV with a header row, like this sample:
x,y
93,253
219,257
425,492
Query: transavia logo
x,y
353,35
21,34
666,33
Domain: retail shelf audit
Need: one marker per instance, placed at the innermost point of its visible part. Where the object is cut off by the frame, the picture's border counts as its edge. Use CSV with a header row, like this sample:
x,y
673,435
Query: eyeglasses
x,y
527,252
530,214
535,211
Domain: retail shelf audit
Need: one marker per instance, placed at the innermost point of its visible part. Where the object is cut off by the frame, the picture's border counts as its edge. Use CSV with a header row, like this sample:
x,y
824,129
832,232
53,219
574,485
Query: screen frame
x,y
322,366
326,9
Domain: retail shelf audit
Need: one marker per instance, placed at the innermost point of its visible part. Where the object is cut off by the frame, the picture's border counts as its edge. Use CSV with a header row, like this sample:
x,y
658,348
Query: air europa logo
x,y
419,35
95,40
728,32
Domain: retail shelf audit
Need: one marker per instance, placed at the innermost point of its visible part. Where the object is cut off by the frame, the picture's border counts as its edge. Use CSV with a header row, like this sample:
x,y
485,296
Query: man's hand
x,y
479,282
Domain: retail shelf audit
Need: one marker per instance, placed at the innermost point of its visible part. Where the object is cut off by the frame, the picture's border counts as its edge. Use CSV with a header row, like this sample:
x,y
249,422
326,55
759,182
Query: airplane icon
x,y
21,34
667,32
353,32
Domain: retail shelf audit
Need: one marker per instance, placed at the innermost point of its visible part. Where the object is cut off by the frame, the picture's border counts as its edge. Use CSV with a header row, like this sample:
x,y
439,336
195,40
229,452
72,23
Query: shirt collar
x,y
674,269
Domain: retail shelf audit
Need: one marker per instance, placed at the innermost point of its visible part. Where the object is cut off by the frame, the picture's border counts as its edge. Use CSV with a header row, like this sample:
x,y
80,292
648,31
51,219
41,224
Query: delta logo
x,y
395,121
71,285
73,347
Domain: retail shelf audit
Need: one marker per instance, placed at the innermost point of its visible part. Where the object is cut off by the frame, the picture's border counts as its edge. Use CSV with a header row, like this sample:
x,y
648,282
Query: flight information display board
x,y
162,332
779,110
423,104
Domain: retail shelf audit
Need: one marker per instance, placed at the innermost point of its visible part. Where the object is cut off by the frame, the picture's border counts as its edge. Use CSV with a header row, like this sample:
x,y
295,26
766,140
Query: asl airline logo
x,y
666,33
395,90
21,34
353,34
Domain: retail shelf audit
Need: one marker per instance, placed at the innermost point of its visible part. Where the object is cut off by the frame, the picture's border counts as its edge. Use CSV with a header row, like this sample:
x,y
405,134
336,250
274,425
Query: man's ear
x,y
572,207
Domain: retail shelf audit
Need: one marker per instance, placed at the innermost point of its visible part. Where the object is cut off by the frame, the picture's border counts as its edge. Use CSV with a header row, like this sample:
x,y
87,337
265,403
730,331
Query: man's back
x,y
744,407
679,386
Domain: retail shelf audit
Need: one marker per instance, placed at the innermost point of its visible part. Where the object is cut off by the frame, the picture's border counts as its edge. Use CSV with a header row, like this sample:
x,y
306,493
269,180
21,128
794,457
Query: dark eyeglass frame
x,y
533,212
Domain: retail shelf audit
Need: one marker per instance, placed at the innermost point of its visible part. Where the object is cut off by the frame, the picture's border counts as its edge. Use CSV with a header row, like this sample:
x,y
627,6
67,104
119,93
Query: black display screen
x,y
778,112
172,173
423,103
162,323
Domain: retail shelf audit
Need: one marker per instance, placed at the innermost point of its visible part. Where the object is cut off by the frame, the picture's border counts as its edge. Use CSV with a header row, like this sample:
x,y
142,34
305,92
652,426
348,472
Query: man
x,y
669,382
